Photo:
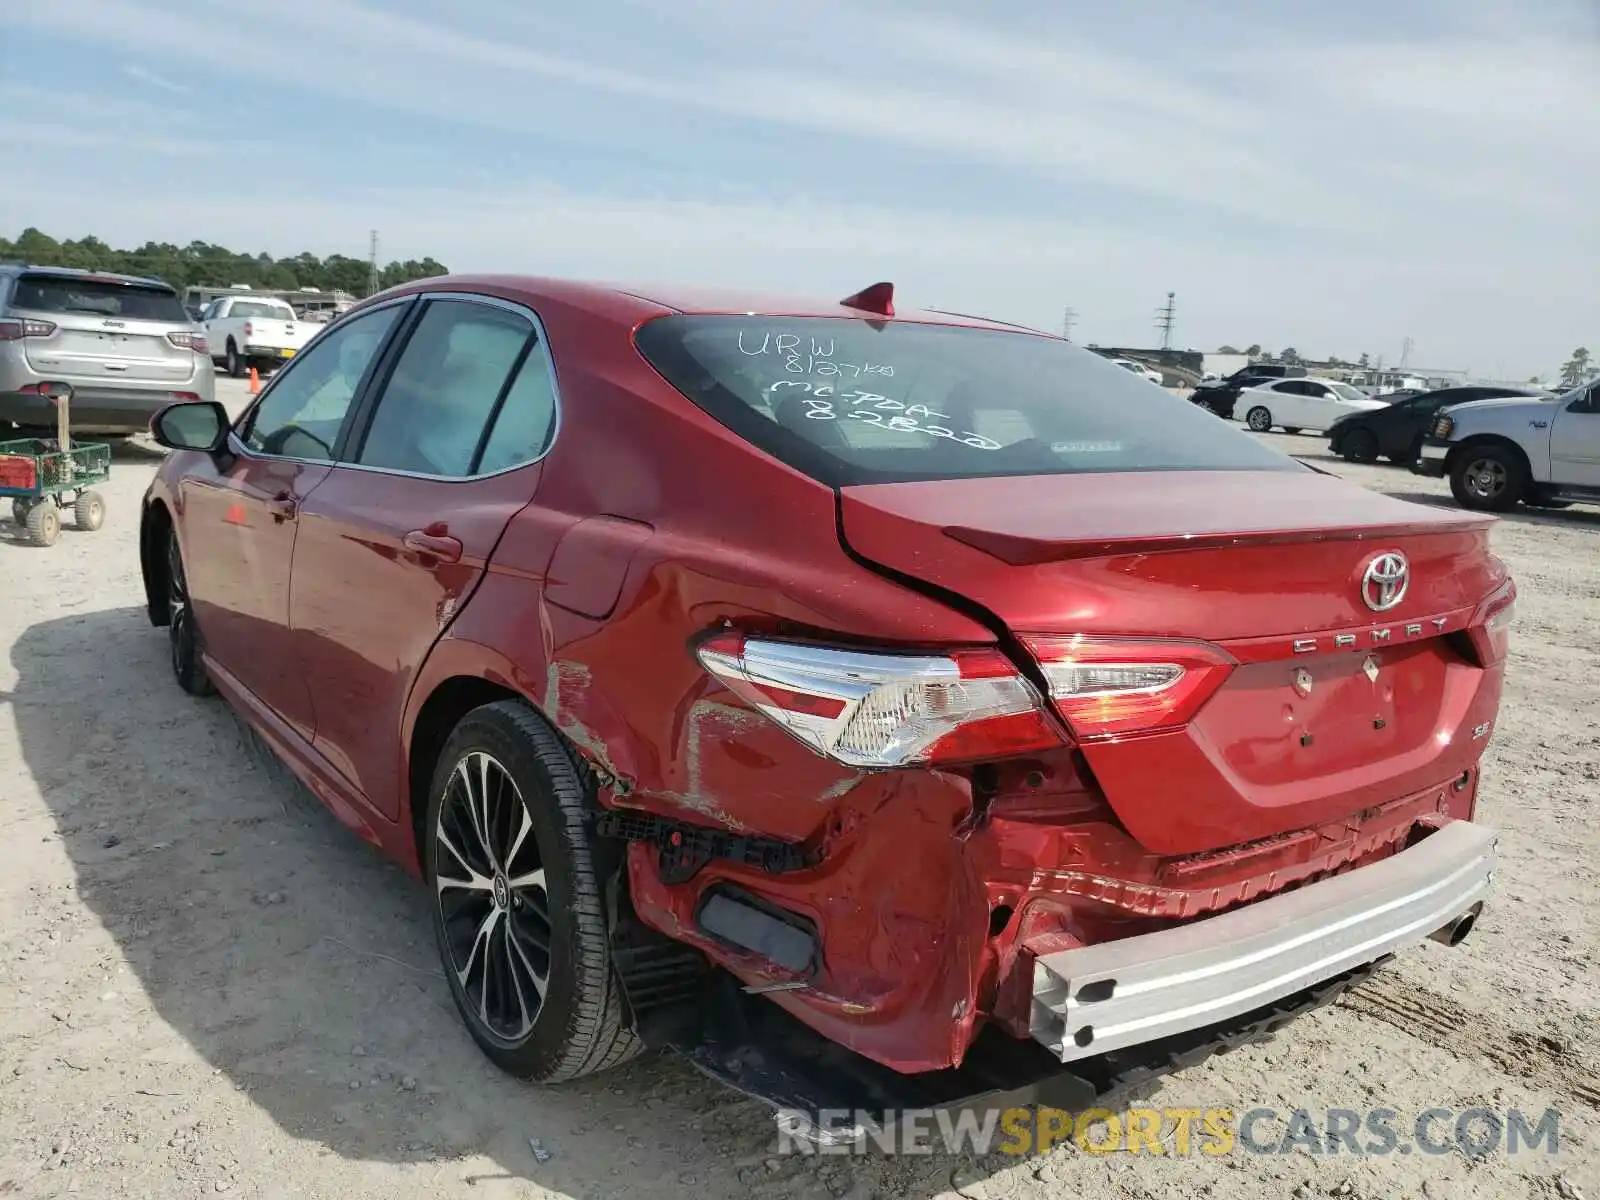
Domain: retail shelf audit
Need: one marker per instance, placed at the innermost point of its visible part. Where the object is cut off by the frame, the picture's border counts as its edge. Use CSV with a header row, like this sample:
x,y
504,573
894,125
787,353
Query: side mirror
x,y
191,425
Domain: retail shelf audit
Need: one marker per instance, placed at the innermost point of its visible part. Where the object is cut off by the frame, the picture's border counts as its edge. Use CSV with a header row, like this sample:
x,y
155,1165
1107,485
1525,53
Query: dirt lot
x,y
207,986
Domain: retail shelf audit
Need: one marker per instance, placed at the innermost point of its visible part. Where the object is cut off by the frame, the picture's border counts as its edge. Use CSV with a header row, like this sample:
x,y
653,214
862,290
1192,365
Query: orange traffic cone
x,y
255,381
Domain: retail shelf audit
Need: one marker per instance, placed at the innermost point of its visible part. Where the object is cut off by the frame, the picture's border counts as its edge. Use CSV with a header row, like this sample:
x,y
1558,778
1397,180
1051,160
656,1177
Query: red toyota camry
x,y
881,708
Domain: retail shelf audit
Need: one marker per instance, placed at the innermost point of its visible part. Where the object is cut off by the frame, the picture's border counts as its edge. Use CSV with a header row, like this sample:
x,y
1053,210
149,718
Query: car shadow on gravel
x,y
299,964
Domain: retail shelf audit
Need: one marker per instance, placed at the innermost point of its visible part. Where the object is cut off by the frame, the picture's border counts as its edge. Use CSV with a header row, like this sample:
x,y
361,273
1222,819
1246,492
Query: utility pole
x,y
1069,318
1166,318
372,265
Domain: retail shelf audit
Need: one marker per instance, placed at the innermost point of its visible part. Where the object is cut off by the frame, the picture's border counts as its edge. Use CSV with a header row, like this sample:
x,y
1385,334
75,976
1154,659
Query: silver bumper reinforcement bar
x,y
1096,999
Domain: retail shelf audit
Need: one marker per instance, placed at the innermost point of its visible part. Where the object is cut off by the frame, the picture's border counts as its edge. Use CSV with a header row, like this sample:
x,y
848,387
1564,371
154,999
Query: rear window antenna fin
x,y
877,298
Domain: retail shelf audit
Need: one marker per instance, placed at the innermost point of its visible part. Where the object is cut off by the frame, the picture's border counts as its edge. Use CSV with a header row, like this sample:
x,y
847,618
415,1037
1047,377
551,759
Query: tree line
x,y
207,265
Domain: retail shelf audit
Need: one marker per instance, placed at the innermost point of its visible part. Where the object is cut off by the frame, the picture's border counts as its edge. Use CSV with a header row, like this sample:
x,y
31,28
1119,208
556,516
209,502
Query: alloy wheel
x,y
1486,478
493,900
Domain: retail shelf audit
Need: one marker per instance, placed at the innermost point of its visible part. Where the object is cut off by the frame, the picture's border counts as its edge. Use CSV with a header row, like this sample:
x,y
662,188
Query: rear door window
x,y
848,401
526,422
446,387
64,295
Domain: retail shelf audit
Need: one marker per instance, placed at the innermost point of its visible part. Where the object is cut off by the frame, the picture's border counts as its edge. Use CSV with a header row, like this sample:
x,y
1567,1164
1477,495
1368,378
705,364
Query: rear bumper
x,y
1096,999
95,409
1431,460
271,351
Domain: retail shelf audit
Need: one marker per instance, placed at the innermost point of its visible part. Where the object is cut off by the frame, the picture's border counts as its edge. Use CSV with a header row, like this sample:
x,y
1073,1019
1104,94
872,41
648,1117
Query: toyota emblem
x,y
1384,584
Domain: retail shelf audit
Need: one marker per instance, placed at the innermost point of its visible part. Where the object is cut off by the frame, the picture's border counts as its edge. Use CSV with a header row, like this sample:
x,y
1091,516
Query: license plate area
x,y
1325,714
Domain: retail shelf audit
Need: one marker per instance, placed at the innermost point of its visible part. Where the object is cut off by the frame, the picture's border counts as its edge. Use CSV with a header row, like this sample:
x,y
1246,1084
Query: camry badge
x,y
1384,584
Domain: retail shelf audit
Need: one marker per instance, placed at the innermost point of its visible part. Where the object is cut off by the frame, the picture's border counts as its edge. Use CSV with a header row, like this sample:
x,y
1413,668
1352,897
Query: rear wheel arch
x,y
447,704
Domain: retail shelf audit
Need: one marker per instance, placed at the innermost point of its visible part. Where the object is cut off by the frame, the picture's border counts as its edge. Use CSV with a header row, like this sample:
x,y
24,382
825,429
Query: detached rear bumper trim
x,y
1101,998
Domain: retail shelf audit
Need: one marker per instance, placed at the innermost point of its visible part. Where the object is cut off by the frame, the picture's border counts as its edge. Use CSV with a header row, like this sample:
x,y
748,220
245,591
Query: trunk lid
x,y
1332,707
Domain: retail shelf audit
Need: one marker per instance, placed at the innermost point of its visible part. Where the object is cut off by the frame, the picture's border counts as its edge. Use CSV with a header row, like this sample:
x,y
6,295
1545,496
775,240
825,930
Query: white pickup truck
x,y
1500,453
253,331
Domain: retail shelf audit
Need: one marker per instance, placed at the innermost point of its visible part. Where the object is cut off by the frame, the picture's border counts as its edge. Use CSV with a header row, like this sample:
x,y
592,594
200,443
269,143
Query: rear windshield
x,y
261,308
849,403
128,301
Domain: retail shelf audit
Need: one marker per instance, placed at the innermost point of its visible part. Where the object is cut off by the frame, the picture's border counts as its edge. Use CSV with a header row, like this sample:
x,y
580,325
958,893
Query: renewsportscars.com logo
x,y
1476,1132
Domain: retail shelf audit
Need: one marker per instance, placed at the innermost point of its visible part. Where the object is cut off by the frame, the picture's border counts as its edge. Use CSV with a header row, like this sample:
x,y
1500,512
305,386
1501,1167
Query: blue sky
x,y
1332,177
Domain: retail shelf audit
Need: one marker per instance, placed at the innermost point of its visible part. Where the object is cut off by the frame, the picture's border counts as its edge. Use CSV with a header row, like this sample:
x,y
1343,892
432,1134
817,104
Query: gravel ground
x,y
207,986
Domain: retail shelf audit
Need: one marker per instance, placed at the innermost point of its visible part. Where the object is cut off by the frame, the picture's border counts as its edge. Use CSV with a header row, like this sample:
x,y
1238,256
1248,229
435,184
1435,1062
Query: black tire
x,y
1488,478
537,786
234,362
1259,419
183,632
1359,446
43,523
19,511
89,511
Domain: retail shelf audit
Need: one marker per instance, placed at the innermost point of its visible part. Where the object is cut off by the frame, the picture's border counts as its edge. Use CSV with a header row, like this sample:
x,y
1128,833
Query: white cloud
x,y
1022,270
144,76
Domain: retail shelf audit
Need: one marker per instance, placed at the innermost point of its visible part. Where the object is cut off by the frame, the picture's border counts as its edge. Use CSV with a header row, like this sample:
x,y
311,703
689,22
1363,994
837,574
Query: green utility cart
x,y
42,477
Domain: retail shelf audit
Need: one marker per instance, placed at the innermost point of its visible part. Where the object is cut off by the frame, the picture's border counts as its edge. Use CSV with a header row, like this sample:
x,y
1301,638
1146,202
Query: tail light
x,y
1490,631
1106,687
886,710
1443,427
15,331
189,341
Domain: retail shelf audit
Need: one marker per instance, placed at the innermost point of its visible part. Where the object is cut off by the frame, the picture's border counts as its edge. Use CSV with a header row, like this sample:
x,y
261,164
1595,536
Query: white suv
x,y
1499,453
124,343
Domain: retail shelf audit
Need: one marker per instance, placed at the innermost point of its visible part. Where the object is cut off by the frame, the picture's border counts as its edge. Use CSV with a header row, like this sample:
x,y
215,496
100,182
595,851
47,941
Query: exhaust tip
x,y
1454,933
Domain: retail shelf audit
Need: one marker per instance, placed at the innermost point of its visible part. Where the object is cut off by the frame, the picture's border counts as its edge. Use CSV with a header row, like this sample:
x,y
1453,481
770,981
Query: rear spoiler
x,y
1020,550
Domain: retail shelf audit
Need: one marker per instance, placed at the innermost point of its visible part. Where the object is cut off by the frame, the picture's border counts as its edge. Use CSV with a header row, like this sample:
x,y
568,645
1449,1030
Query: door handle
x,y
282,507
435,543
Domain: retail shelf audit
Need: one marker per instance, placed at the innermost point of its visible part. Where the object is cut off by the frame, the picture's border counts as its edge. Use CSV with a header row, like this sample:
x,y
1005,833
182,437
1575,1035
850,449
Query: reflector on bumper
x,y
1100,998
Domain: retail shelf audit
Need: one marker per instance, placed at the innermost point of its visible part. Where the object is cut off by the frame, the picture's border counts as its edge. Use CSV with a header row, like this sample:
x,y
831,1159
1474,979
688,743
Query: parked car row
x,y
1498,446
1395,431
1222,395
